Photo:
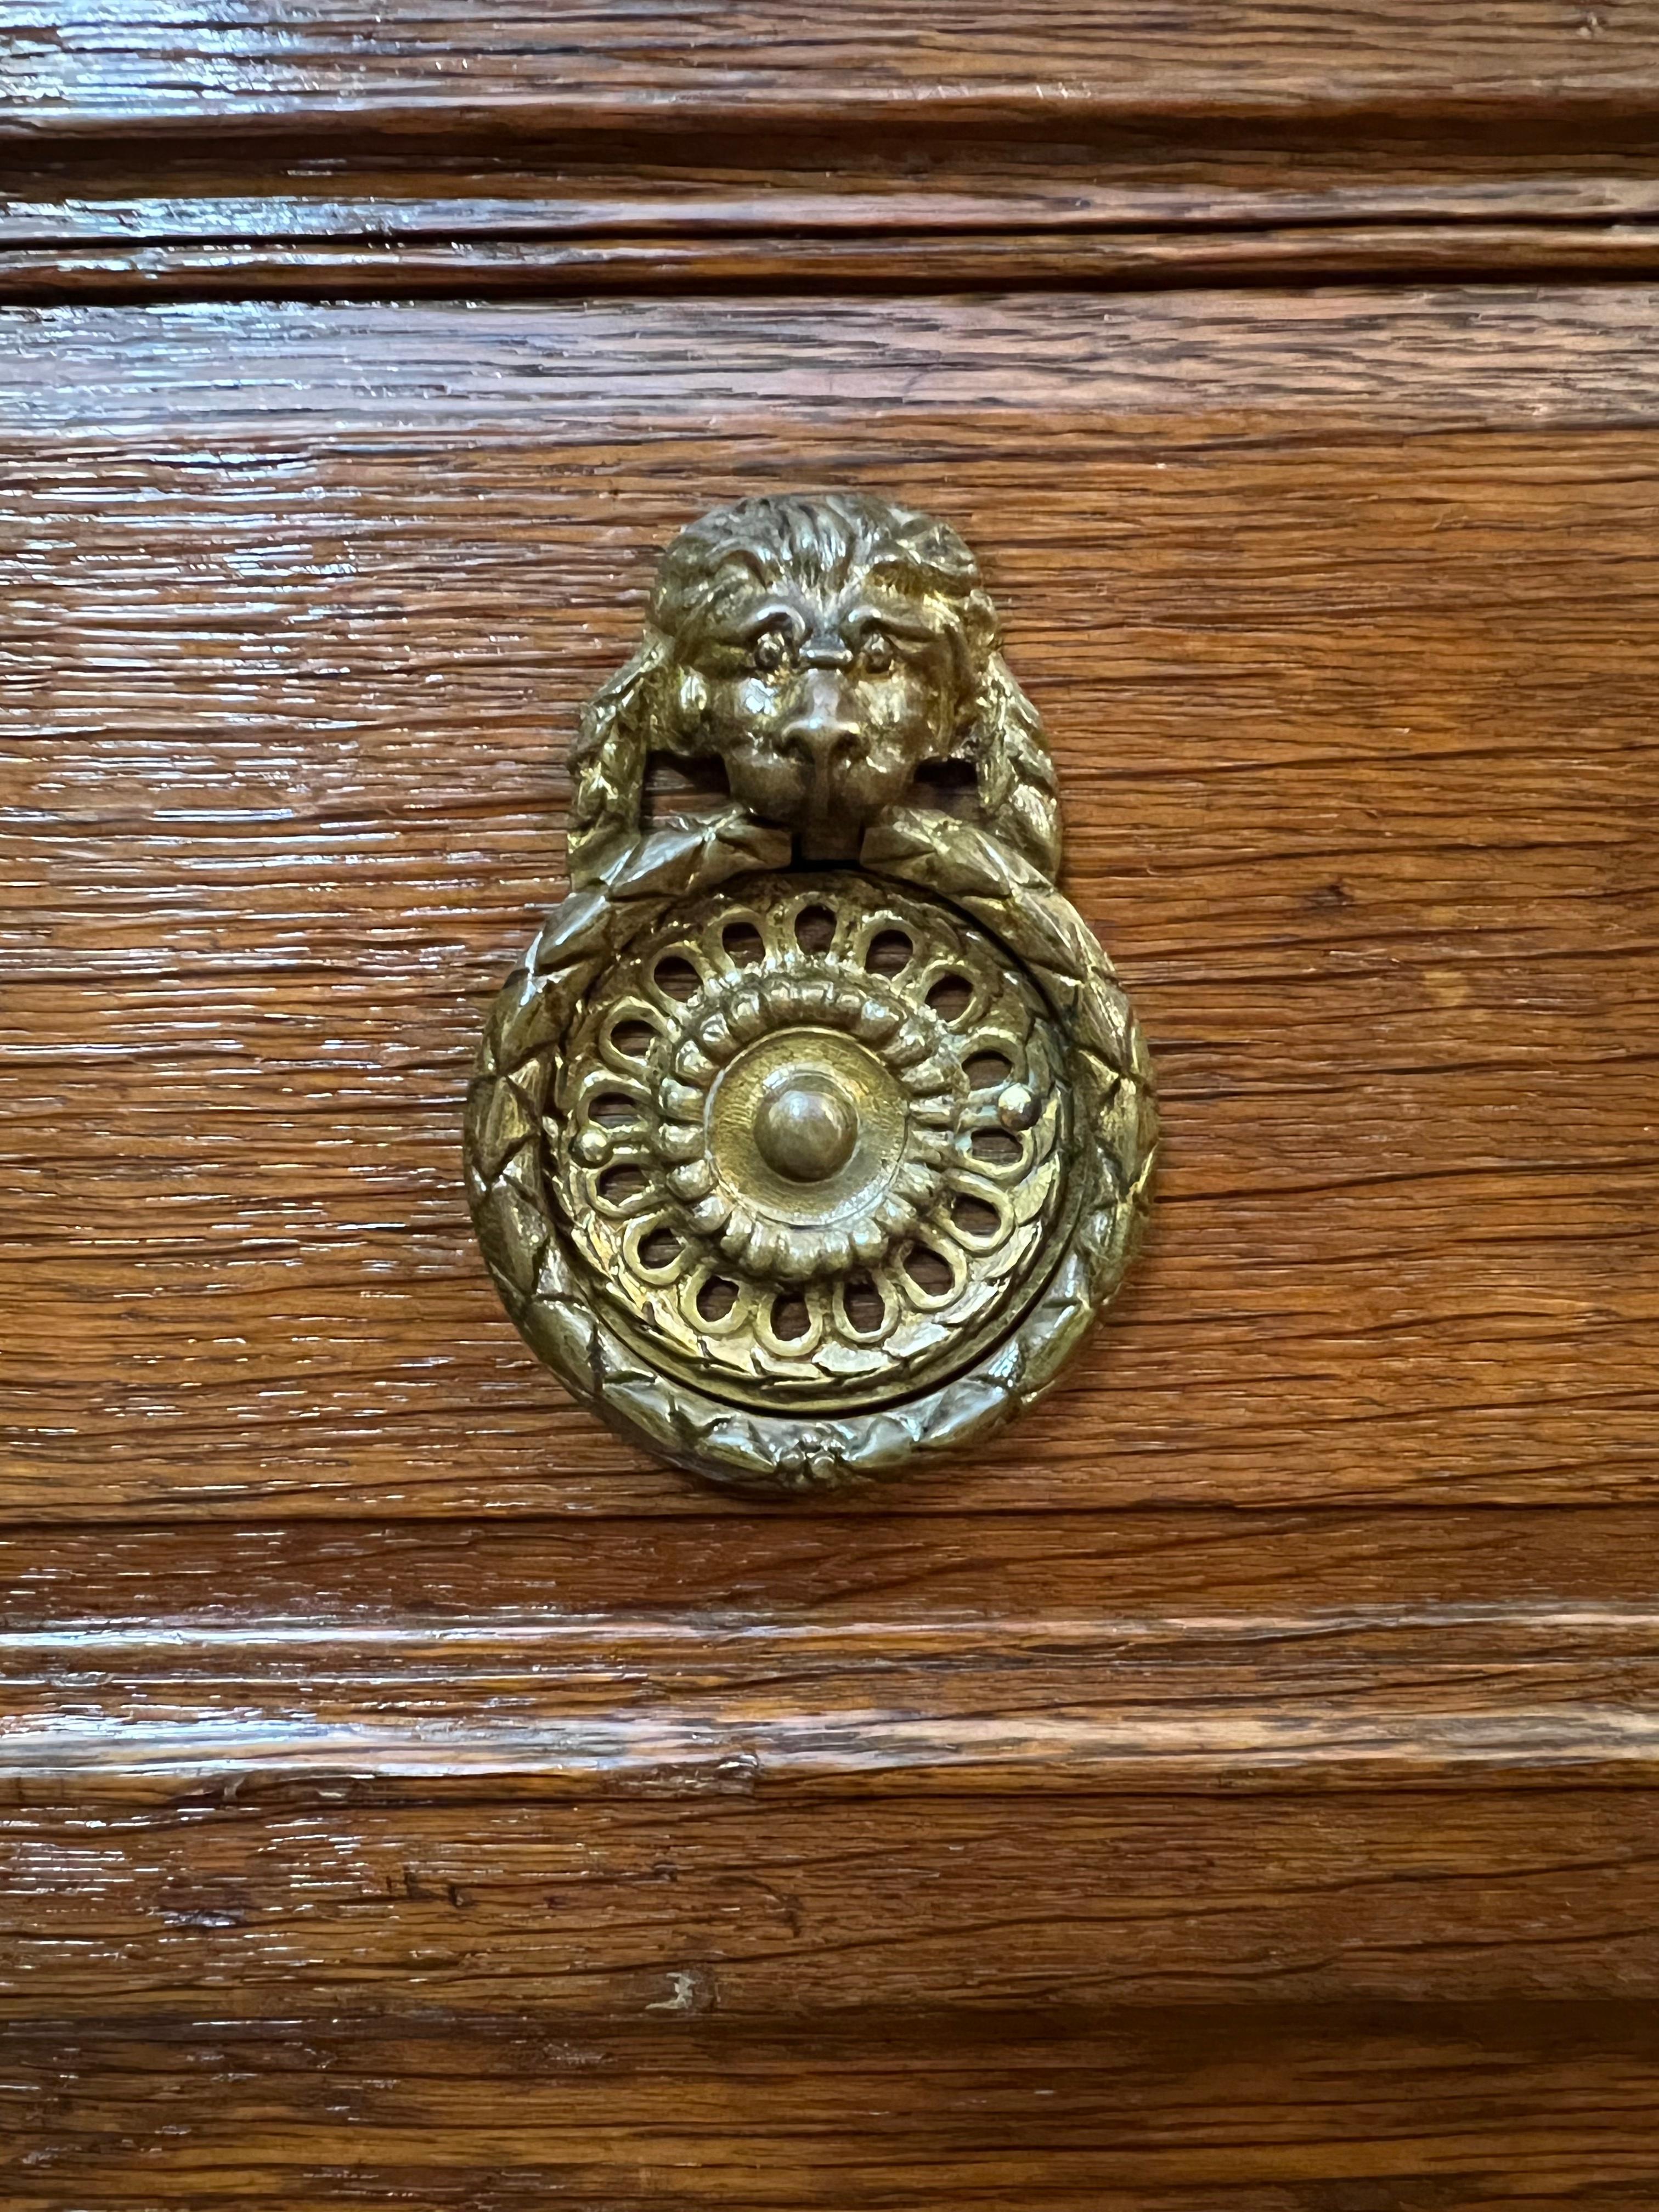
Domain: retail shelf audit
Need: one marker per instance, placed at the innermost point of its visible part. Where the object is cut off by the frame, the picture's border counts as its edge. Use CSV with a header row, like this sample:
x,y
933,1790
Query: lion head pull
x,y
814,1131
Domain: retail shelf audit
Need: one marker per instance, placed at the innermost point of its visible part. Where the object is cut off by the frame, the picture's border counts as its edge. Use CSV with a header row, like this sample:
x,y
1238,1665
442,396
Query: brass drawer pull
x,y
813,1132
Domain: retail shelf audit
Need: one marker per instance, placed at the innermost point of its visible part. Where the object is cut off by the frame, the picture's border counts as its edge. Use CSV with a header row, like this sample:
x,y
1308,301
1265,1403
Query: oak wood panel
x,y
1175,1652
674,1856
690,183
360,64
1338,608
896,260
560,1706
261,1899
623,1845
1460,2108
888,1563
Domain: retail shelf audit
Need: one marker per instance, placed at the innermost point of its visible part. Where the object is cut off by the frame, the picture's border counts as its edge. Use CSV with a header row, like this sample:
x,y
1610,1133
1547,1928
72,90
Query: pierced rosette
x,y
809,1135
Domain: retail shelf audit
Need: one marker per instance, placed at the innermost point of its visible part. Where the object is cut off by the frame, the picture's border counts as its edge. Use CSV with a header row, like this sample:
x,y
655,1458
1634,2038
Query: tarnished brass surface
x,y
807,1176
815,1131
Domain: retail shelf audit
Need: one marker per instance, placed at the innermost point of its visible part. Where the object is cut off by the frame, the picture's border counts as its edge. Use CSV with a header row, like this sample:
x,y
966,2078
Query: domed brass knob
x,y
808,1127
800,1172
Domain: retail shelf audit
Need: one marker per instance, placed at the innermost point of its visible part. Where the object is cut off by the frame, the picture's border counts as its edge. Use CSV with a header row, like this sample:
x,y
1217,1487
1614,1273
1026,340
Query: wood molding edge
x,y
1440,1697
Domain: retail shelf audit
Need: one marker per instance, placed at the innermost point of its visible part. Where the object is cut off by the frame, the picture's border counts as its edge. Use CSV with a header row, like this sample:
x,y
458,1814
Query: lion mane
x,y
829,540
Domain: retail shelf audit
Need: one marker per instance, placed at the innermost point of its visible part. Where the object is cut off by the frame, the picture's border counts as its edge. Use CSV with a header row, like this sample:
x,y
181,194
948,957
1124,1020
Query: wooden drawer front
x,y
1339,611
1235,1793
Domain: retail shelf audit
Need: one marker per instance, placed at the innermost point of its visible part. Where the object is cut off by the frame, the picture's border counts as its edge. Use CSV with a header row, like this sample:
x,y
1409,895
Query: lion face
x,y
821,700
822,649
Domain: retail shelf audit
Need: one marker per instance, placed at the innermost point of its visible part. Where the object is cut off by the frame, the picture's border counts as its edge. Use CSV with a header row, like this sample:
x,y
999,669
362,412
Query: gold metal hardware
x,y
813,1132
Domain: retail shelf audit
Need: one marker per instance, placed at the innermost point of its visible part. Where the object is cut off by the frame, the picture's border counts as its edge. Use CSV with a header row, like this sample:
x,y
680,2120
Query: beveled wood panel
x,y
262,1901
1339,608
259,1897
672,196
582,1786
358,63
892,1565
1116,261
1210,2108
545,1706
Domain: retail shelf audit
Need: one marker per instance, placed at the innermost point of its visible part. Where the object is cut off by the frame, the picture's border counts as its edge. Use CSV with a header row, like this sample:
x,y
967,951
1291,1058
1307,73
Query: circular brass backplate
x,y
806,1139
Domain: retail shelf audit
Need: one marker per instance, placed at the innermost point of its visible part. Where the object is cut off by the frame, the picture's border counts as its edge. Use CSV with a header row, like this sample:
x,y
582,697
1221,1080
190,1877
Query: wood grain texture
x,y
312,1897
91,68
683,181
893,261
1337,606
893,1652
566,1705
1461,2108
1239,1795
898,1563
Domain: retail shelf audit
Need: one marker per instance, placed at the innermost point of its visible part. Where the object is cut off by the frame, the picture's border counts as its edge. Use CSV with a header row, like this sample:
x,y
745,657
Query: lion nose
x,y
823,725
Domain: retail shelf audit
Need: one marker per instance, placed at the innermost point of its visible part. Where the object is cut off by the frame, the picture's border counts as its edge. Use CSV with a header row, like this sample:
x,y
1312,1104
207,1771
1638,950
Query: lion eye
x,y
767,652
878,652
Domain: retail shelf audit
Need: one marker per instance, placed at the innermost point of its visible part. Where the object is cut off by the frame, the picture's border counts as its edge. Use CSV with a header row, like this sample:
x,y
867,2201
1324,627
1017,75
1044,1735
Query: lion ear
x,y
608,760
980,631
1014,767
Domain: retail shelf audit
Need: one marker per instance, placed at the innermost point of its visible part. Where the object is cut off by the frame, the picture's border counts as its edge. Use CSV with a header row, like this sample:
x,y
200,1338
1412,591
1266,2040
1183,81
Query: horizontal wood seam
x,y
471,263
1527,112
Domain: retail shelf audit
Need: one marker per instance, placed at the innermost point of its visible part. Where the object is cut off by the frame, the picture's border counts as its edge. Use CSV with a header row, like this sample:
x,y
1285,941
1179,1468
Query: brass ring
x,y
657,1122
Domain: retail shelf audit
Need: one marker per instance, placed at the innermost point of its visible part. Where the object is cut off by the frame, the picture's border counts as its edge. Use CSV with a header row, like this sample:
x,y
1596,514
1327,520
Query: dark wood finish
x,y
560,1705
897,1561
1379,2109
895,262
1237,1794
688,1895
1359,775
688,185
744,146
361,64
